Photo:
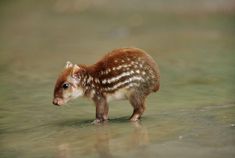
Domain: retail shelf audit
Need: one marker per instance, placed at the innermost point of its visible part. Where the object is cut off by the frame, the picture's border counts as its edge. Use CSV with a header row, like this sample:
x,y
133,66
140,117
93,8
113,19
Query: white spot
x,y
83,83
114,68
97,80
123,61
119,67
89,79
115,61
104,81
143,73
85,77
92,93
137,71
107,89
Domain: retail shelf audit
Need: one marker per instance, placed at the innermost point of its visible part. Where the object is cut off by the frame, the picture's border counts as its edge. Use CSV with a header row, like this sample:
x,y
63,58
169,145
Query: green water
x,y
193,115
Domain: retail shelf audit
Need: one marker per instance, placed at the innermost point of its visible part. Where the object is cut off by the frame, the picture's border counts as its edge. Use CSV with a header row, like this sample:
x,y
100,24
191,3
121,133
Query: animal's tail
x,y
156,87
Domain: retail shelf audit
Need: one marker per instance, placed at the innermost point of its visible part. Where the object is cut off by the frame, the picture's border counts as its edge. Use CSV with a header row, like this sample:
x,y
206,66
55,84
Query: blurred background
x,y
193,42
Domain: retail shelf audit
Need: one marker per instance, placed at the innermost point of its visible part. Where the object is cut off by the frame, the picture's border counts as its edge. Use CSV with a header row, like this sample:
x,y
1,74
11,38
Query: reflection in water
x,y
63,151
102,142
137,137
140,135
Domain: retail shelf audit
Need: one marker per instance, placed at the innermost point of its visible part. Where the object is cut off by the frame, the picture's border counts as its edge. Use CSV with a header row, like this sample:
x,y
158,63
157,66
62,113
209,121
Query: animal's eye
x,y
65,85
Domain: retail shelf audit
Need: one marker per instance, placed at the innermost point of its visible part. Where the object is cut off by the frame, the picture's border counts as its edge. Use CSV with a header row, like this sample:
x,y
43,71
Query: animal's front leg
x,y
101,111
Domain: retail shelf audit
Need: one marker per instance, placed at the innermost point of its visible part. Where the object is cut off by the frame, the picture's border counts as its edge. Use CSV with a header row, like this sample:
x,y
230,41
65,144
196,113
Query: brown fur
x,y
128,73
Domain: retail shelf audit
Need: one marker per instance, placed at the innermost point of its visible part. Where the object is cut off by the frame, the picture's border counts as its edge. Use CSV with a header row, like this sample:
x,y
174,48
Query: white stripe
x,y
134,78
89,79
132,85
92,93
97,80
120,76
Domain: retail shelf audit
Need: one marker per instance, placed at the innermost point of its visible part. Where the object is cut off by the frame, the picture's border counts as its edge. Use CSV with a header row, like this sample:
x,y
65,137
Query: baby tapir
x,y
126,73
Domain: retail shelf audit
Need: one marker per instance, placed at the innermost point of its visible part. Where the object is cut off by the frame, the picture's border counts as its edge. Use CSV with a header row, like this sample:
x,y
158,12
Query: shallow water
x,y
193,115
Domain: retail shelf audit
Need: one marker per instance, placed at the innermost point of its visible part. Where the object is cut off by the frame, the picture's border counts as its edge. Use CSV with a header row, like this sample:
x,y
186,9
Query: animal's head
x,y
68,86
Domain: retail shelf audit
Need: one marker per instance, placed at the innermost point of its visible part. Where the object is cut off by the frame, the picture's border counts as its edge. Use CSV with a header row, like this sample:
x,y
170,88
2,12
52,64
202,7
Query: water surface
x,y
193,115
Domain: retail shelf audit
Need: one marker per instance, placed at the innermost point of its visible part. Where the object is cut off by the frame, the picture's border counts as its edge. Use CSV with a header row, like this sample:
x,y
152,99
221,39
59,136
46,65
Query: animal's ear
x,y
68,65
75,70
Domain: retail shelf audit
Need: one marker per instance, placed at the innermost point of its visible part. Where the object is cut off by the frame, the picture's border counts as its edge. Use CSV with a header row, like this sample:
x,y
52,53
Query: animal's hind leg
x,y
138,103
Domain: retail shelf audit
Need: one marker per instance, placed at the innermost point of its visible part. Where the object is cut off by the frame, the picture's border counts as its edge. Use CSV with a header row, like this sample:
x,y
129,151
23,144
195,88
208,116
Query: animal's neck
x,y
88,83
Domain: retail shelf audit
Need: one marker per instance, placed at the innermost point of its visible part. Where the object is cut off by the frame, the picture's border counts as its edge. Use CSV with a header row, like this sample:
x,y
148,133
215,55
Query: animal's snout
x,y
58,101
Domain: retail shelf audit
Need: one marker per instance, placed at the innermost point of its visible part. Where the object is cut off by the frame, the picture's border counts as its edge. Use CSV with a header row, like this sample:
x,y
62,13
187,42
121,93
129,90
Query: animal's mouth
x,y
58,101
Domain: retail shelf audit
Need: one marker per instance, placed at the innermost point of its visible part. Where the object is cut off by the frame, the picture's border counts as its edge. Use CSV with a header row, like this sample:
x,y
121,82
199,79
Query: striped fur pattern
x,y
126,73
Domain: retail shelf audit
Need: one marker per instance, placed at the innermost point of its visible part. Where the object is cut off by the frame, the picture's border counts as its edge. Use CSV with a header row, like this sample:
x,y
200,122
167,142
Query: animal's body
x,y
126,73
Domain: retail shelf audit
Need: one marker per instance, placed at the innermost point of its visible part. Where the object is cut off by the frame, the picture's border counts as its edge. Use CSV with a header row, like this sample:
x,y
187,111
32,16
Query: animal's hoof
x,y
96,121
134,118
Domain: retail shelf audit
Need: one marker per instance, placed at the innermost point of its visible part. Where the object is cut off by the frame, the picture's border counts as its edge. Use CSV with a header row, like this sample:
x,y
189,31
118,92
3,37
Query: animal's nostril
x,y
55,101
58,101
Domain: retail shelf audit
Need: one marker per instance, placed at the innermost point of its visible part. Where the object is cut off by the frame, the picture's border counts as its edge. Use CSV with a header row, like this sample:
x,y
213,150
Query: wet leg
x,y
138,104
101,111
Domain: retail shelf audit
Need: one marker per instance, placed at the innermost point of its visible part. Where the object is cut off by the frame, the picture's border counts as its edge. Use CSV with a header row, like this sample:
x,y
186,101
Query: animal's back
x,y
129,65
